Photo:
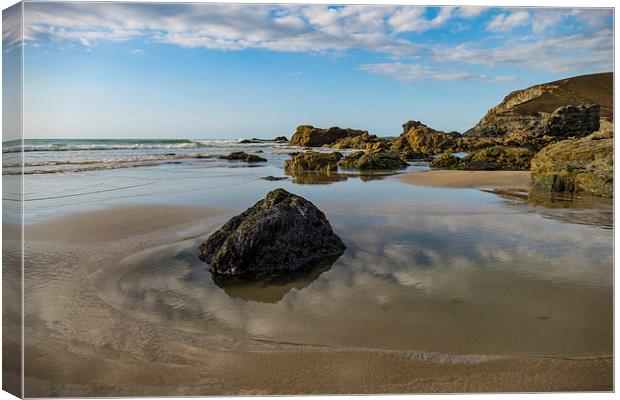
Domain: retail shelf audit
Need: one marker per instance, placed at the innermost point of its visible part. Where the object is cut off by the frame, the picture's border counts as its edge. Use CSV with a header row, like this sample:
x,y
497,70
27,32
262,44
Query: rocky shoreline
x,y
560,131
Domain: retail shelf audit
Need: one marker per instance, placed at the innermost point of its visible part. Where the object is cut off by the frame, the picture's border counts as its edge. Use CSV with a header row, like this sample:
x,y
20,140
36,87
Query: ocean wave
x,y
94,145
118,160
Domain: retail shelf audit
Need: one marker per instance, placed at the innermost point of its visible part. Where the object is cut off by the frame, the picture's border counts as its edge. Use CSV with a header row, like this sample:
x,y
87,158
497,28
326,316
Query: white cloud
x,y
506,22
417,72
389,30
545,19
413,19
554,53
470,11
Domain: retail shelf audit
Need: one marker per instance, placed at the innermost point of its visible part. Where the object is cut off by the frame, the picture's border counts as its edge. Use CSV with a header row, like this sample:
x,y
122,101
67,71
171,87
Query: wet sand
x,y
468,179
78,344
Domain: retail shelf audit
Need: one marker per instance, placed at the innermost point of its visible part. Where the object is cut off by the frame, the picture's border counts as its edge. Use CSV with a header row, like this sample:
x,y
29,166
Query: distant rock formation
x,y
309,136
242,156
540,109
282,233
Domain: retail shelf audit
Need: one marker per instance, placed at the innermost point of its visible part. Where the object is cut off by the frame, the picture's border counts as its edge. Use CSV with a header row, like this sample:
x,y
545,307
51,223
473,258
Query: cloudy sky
x,y
224,70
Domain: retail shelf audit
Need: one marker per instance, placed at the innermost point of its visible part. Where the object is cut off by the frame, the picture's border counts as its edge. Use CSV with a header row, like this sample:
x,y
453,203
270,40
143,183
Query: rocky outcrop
x,y
243,156
283,233
420,139
574,120
373,160
529,110
281,139
487,159
312,161
309,136
576,166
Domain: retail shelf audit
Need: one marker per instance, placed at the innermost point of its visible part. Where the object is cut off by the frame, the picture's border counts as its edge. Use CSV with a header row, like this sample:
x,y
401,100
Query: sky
x,y
121,70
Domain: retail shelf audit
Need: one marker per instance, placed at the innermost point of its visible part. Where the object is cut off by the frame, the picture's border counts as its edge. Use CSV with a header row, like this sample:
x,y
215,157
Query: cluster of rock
x,y
506,138
562,131
314,161
282,233
487,159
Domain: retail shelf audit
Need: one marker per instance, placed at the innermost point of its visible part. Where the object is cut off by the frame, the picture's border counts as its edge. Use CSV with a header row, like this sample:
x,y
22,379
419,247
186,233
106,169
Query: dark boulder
x,y
283,233
574,120
243,156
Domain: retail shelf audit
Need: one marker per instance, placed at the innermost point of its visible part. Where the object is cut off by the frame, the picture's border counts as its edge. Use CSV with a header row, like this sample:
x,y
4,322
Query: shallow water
x,y
454,271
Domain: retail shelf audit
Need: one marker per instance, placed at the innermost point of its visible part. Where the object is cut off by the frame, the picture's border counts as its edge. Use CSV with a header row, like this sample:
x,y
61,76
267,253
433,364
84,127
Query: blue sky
x,y
106,70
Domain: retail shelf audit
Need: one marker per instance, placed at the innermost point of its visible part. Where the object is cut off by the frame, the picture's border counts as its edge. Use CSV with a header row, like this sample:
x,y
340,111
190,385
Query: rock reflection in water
x,y
272,288
325,178
578,209
317,178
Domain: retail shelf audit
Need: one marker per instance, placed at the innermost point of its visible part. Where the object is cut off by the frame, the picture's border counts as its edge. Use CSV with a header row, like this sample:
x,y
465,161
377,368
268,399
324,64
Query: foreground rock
x,y
421,140
281,233
567,107
373,160
309,136
243,156
312,161
576,166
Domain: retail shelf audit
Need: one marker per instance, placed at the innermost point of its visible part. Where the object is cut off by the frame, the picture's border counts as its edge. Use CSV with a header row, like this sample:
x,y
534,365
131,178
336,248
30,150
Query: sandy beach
x,y
79,343
468,179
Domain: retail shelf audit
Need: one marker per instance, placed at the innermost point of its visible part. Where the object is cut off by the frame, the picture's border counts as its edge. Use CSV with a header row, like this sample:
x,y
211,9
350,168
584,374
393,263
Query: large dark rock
x,y
572,120
309,136
282,233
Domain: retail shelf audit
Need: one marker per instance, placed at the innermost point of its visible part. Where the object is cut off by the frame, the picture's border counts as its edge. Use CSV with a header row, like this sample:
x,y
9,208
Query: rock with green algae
x,y
501,158
282,233
492,158
312,161
576,166
421,139
373,160
309,136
